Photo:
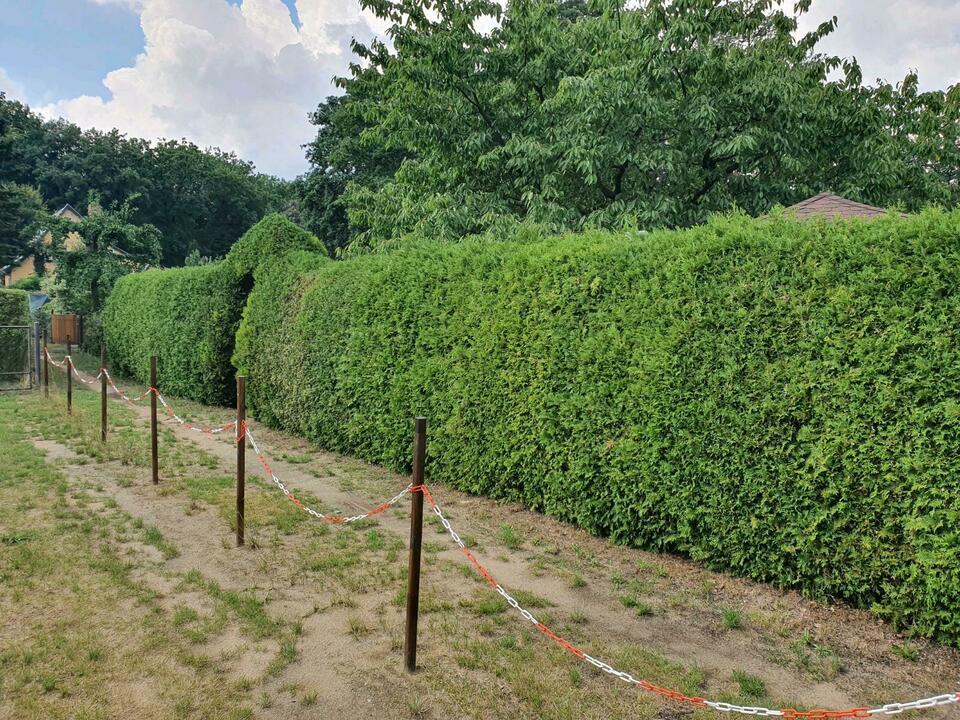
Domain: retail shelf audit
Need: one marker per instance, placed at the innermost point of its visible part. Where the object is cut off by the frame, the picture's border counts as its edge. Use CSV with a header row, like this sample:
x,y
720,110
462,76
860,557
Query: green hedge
x,y
188,317
773,398
270,238
14,344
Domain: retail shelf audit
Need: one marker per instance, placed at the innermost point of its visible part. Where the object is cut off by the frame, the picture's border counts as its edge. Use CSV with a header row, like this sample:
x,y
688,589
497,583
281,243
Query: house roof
x,y
67,208
8,269
826,204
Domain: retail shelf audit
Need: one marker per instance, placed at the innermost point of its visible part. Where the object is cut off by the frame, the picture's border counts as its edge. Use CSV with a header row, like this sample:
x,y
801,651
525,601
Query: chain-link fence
x,y
16,357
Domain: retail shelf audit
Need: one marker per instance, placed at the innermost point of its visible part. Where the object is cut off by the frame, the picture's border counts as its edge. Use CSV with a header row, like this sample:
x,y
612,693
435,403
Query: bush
x,y
774,398
92,334
188,316
14,344
28,283
272,237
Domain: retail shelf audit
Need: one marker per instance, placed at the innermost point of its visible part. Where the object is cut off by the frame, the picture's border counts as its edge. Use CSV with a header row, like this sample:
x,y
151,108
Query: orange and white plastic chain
x,y
336,519
190,426
80,378
123,396
61,364
859,712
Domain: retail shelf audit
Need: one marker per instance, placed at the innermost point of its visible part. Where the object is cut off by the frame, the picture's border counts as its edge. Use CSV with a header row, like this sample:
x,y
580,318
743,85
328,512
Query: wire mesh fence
x,y
16,357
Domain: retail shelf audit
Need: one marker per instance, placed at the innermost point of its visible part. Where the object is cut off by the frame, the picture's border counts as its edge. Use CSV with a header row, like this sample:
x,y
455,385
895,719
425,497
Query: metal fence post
x,y
69,379
416,538
154,457
103,394
241,453
46,366
36,351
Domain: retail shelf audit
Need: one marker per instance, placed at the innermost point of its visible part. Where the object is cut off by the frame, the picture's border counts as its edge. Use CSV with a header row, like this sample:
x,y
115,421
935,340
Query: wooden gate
x,y
63,326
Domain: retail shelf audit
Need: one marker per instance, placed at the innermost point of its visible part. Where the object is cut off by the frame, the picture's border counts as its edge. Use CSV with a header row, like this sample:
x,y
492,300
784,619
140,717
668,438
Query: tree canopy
x,y
577,114
199,200
111,246
21,213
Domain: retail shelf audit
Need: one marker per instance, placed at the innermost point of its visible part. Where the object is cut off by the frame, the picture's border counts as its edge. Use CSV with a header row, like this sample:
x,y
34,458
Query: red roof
x,y
827,204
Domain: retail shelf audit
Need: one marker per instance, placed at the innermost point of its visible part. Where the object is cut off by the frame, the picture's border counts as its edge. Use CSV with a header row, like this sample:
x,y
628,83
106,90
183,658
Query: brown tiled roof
x,y
827,204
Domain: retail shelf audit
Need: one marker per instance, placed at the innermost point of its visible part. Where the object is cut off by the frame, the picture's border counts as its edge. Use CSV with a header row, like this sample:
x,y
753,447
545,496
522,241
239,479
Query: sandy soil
x,y
359,675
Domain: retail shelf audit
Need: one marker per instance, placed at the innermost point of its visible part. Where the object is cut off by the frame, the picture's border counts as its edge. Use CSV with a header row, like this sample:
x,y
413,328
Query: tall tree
x,y
339,155
596,114
21,214
109,247
200,200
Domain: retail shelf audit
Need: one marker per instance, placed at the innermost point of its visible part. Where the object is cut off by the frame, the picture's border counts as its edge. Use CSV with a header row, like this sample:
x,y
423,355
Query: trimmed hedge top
x,y
188,317
774,398
14,307
272,237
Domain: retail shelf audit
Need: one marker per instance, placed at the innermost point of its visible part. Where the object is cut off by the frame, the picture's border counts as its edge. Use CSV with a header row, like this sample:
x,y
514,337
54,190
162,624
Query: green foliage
x,y
110,248
199,200
21,212
773,398
30,283
595,115
189,316
14,344
277,287
339,156
271,237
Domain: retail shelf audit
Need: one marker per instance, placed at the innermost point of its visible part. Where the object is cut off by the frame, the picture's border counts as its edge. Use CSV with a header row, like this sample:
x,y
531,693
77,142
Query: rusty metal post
x,y
154,455
46,366
36,355
69,379
241,452
416,539
103,394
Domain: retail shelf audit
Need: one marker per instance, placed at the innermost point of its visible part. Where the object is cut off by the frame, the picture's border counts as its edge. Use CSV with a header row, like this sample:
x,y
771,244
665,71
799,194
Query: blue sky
x,y
81,42
243,74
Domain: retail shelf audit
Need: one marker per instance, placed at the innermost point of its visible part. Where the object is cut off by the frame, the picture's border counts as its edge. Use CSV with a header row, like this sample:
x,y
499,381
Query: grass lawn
x,y
121,599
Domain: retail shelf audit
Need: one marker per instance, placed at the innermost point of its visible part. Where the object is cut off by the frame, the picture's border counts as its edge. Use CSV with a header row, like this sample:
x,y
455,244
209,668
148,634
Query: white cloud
x,y
133,4
242,78
9,86
891,37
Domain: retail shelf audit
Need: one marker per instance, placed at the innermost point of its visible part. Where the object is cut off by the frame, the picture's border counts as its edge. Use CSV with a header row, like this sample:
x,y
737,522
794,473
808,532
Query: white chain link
x,y
897,708
190,426
58,364
77,375
890,709
122,394
306,508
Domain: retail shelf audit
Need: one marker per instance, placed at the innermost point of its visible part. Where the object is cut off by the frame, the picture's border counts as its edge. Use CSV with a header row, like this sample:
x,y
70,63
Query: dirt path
x,y
349,623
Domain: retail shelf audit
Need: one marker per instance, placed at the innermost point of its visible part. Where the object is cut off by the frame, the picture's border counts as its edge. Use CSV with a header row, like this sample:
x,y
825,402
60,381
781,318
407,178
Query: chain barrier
x,y
78,377
213,430
123,396
242,432
336,519
790,713
58,364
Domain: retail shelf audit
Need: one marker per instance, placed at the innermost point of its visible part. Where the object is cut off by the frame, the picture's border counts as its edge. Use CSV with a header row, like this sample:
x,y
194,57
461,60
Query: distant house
x,y
828,205
25,265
